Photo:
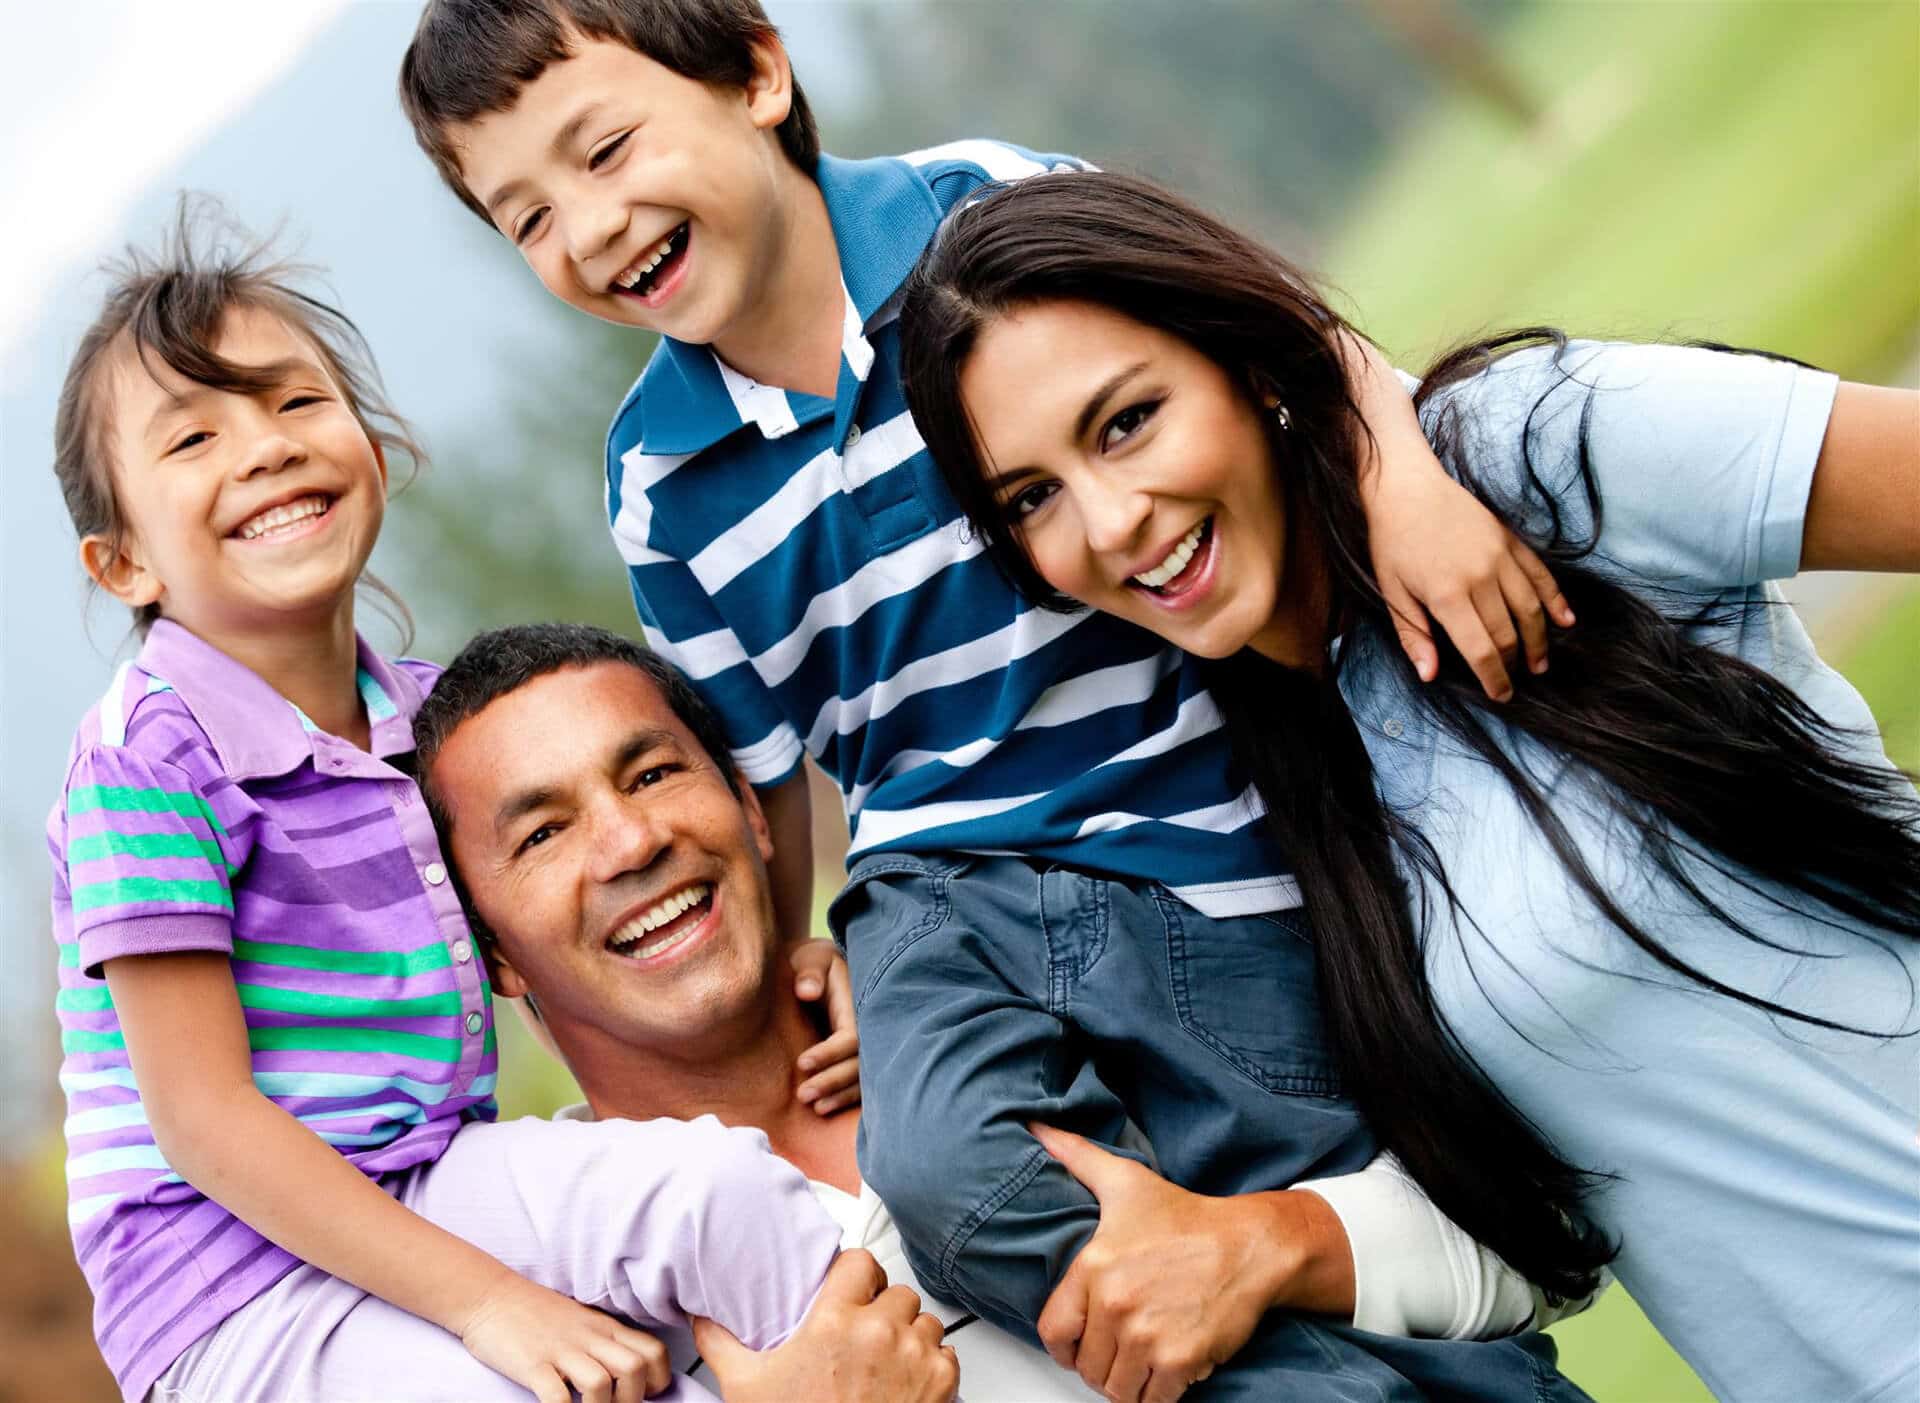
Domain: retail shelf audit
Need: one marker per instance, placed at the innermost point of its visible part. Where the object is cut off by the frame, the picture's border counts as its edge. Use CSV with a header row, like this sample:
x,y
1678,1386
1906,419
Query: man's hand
x,y
1172,1283
832,1066
862,1342
550,1344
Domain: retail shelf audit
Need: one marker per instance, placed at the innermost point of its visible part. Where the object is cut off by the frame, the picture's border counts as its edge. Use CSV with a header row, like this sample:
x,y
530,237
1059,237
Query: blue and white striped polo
x,y
802,561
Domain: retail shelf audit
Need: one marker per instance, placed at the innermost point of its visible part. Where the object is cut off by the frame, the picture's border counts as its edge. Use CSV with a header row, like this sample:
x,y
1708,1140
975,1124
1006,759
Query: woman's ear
x,y
114,563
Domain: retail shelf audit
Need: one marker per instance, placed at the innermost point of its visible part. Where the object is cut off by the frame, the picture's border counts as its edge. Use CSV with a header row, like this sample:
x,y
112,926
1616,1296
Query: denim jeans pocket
x,y
893,899
1247,987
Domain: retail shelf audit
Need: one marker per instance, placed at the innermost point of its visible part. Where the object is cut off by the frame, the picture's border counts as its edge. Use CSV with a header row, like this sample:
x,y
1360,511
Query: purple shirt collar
x,y
256,731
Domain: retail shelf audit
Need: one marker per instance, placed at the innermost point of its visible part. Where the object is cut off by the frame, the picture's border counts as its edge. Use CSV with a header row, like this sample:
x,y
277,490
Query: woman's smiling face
x,y
1135,470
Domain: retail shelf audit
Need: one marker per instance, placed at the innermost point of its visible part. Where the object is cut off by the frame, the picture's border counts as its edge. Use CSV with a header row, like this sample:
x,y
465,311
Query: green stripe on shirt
x,y
120,891
396,964
126,799
382,1040
96,846
315,1005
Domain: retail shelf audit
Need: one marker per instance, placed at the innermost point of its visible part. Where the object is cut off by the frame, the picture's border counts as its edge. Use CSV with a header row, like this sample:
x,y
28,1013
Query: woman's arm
x,y
1864,510
187,1042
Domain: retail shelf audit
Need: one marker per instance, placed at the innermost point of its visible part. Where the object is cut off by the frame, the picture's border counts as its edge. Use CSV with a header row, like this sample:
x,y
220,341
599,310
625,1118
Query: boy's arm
x,y
789,809
1436,548
187,1042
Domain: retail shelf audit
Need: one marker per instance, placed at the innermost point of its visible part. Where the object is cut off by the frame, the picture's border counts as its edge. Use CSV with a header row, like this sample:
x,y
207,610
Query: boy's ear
x,y
770,85
113,565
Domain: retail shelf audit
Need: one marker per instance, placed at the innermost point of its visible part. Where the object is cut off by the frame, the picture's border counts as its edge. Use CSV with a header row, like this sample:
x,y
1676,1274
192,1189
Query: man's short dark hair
x,y
503,660
472,58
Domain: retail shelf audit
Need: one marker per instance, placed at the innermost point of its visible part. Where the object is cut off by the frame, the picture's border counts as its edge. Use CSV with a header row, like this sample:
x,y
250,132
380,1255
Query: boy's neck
x,y
790,334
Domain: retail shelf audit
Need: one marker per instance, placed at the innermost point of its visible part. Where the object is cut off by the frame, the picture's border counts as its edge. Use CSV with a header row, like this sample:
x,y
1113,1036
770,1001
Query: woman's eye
x,y
526,228
1029,500
1125,424
601,155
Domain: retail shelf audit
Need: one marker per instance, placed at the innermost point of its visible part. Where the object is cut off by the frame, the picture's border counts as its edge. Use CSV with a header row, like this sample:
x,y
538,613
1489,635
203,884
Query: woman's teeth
x,y
631,939
1176,560
647,262
277,519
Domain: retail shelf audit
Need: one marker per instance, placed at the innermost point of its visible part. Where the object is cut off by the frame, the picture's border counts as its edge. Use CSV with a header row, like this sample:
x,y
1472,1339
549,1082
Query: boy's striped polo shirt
x,y
802,561
204,812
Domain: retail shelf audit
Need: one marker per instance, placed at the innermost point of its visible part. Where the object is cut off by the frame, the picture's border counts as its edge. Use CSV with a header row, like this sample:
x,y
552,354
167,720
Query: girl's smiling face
x,y
245,511
1135,471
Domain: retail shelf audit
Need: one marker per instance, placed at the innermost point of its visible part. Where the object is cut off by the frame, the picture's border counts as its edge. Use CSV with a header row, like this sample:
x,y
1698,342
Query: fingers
x,y
589,1378
1098,1347
946,1384
1545,588
837,1086
929,1329
638,1362
1529,614
1464,619
810,961
1127,1380
900,1303
1064,1318
717,1344
840,996
854,1277
549,1387
1410,623
1102,1171
1170,1385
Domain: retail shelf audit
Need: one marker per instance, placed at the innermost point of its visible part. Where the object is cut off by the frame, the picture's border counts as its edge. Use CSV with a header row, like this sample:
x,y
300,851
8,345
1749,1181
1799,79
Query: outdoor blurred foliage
x,y
1733,170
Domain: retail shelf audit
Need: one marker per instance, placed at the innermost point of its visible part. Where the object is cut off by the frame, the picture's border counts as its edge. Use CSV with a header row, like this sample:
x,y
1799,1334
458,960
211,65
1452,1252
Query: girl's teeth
x,y
279,518
1175,562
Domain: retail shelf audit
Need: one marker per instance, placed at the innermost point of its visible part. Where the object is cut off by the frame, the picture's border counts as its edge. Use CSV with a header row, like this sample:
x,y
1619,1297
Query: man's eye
x,y
535,838
601,155
526,228
653,774
1125,424
1029,500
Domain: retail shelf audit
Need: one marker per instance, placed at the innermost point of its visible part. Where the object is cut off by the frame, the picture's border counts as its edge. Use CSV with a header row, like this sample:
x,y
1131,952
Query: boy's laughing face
x,y
637,195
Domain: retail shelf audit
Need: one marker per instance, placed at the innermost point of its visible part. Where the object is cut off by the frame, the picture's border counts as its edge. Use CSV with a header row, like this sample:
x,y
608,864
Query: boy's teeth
x,y
657,916
1175,562
281,517
646,263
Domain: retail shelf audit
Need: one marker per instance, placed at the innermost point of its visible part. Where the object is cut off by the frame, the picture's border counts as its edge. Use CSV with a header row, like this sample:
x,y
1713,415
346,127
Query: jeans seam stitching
x,y
1022,1175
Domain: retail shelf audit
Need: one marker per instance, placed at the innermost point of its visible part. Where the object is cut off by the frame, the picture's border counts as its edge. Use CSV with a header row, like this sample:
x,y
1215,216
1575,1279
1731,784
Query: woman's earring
x,y
1280,415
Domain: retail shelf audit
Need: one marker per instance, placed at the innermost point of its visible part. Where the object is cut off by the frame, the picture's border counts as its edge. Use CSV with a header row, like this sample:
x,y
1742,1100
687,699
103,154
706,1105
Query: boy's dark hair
x,y
503,660
170,306
471,58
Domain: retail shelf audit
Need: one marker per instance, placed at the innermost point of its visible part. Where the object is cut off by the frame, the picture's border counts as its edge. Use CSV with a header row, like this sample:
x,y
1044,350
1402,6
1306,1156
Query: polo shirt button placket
x,y
475,1022
434,873
853,435
462,951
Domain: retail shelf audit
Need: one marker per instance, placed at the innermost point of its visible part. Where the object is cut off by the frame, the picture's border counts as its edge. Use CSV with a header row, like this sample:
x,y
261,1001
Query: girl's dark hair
x,y
1706,758
172,305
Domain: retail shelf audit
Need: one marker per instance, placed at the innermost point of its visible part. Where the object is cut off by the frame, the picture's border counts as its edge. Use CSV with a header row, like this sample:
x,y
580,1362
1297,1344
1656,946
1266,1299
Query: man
x,y
617,873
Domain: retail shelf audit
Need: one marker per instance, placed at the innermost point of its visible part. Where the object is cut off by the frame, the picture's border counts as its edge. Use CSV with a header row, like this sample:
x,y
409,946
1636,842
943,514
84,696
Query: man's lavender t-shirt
x,y
203,811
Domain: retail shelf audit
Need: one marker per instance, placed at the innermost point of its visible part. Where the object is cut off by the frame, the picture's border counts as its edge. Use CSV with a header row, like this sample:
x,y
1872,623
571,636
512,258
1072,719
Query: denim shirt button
x,y
1394,728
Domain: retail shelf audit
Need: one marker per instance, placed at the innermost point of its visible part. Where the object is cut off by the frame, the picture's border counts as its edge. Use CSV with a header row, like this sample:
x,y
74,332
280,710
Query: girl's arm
x,y
187,1042
1863,512
1436,548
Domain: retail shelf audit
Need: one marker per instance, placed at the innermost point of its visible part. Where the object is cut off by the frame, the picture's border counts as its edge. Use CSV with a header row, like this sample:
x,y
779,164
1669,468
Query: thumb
x,y
1095,1166
717,1345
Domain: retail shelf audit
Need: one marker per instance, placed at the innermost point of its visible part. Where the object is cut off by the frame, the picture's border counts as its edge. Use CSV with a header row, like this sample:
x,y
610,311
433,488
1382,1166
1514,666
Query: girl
x,y
280,1099
1665,900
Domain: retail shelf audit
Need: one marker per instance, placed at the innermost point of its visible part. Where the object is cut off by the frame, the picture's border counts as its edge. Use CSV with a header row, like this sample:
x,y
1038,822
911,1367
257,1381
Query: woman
x,y
1665,900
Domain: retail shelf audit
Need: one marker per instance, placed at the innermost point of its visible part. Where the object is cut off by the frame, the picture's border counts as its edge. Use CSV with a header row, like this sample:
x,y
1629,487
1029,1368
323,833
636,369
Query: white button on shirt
x,y
475,1022
462,952
434,873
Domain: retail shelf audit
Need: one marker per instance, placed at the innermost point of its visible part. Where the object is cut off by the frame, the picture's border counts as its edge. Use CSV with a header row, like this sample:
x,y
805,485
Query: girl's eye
x,y
1125,424
301,402
602,154
526,228
192,440
1030,499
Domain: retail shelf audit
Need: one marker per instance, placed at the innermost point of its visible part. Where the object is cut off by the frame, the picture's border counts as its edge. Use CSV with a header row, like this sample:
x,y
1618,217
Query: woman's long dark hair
x,y
1705,757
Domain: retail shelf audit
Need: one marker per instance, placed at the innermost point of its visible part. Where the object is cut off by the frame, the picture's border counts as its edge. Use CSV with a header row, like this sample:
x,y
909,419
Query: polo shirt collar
x,y
256,732
883,215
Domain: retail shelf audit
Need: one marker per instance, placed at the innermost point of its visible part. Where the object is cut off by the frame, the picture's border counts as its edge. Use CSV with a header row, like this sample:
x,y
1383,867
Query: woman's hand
x,y
832,1066
548,1343
1173,1283
862,1341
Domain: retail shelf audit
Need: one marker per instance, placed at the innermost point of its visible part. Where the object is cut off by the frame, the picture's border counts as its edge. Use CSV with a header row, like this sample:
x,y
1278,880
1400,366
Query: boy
x,y
790,546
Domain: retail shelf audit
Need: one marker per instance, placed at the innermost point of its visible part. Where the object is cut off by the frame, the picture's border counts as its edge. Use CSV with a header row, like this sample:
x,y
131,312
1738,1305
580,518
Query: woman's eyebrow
x,y
1098,401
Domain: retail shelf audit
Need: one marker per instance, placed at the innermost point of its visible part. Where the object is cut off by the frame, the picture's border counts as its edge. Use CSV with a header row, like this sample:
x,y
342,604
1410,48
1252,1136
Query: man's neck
x,y
792,330
749,1081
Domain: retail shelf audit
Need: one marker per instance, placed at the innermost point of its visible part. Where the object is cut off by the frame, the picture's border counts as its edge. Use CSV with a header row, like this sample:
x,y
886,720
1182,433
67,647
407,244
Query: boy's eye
x,y
1125,424
1030,499
524,230
600,155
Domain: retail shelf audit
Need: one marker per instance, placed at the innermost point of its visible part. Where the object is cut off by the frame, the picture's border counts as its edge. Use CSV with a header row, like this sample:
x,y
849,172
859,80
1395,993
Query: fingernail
x,y
808,1094
1539,666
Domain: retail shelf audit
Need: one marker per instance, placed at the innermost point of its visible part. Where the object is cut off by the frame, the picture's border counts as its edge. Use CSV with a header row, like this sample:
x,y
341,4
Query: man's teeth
x,y
647,262
280,518
655,917
1176,560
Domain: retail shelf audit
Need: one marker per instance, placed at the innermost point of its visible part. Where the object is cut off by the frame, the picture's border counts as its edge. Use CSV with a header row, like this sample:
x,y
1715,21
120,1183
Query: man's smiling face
x,y
623,879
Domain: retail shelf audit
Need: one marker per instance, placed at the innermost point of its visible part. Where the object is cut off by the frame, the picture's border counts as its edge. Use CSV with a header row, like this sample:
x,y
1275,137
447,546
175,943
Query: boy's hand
x,y
1435,547
832,1066
549,1343
1172,1283
862,1341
